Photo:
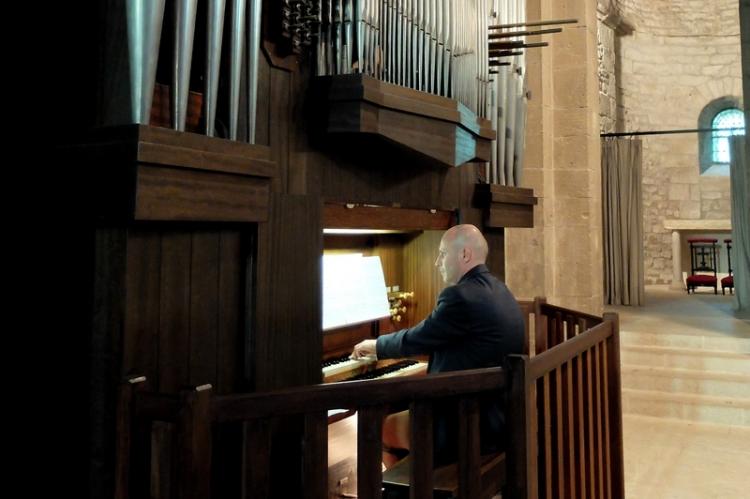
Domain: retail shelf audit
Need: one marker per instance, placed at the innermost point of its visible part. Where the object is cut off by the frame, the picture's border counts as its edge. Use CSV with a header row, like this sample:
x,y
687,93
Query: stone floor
x,y
676,458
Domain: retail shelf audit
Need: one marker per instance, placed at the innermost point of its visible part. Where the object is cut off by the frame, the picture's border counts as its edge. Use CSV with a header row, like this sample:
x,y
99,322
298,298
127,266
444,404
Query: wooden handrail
x,y
356,394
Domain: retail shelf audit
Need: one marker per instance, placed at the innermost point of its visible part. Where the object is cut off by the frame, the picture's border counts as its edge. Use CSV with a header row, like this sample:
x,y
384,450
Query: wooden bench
x,y
397,479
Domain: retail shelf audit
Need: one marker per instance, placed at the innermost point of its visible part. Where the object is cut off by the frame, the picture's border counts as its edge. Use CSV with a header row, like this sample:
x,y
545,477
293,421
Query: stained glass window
x,y
725,124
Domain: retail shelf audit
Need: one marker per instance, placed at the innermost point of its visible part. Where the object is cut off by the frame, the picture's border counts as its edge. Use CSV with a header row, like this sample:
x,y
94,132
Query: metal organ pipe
x,y
253,48
184,15
214,33
144,22
235,65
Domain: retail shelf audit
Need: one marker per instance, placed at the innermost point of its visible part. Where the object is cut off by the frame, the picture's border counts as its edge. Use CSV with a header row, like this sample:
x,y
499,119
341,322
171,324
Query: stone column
x,y
676,261
561,257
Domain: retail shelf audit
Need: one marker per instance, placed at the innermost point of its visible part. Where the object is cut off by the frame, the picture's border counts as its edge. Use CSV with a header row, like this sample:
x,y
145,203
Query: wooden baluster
x,y
582,406
125,420
420,414
605,411
551,330
194,443
469,482
580,444
540,332
370,452
615,408
573,419
598,402
521,453
315,455
527,310
588,381
570,425
256,459
544,396
570,326
556,438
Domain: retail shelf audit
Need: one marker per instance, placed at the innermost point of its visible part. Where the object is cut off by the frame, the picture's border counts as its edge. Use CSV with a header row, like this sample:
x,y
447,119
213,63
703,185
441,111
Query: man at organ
x,y
476,323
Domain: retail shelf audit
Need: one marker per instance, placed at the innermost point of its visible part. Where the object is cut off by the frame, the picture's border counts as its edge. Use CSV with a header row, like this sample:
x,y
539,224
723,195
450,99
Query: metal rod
x,y
535,23
513,45
669,132
504,53
506,44
508,34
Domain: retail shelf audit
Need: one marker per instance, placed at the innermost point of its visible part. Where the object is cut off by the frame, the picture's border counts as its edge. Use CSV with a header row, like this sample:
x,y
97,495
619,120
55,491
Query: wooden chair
x,y
703,258
728,281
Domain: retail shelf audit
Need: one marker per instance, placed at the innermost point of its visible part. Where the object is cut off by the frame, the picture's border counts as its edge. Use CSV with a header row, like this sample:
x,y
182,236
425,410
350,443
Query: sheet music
x,y
353,290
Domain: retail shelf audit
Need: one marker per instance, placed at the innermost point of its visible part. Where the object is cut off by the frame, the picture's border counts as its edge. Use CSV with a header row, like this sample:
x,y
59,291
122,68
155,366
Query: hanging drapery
x,y
739,171
622,217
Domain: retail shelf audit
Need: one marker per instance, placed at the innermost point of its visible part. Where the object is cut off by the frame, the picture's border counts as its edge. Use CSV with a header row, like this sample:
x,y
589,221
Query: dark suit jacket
x,y
475,324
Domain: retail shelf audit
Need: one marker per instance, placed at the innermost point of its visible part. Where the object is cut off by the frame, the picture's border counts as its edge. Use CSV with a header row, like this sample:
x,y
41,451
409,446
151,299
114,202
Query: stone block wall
x,y
561,257
606,54
681,56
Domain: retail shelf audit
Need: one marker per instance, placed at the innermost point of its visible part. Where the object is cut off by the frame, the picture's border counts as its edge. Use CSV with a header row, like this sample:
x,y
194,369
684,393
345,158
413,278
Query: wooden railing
x,y
563,409
195,411
568,441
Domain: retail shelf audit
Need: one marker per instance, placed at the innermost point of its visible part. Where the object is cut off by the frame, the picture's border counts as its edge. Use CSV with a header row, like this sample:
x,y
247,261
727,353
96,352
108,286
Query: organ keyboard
x,y
345,369
399,368
344,364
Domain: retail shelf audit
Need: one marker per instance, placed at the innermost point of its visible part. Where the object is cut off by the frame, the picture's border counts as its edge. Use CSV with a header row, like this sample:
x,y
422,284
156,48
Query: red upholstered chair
x,y
728,281
703,258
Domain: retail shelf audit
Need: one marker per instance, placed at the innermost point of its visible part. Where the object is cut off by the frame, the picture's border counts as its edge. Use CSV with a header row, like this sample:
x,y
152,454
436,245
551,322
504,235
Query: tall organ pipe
x,y
144,18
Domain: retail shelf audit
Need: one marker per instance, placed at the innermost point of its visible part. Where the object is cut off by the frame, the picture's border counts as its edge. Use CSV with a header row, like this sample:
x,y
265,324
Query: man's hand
x,y
364,349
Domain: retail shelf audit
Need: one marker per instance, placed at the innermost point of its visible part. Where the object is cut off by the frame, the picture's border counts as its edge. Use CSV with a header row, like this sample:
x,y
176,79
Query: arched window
x,y
725,124
723,115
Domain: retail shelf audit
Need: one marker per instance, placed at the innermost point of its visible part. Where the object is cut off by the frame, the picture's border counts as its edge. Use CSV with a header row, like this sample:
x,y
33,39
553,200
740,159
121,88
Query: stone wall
x,y
561,257
681,56
606,54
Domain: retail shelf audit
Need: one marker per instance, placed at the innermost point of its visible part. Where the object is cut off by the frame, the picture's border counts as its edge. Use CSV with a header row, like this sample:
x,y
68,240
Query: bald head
x,y
462,248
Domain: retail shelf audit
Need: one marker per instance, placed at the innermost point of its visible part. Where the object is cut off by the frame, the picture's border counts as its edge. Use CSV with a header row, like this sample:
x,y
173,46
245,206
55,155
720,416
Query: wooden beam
x,y
339,216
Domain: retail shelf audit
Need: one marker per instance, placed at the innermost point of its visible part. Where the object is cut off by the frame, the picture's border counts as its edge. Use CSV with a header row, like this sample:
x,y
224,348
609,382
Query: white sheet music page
x,y
353,290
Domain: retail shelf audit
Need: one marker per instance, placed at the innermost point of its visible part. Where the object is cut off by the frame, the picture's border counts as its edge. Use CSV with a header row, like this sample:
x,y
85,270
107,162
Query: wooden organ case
x,y
205,220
